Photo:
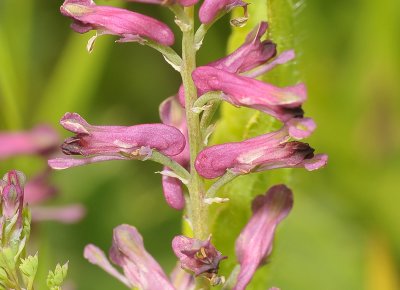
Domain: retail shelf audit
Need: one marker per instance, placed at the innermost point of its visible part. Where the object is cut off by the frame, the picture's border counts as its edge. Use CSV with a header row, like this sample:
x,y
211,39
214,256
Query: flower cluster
x,y
16,270
179,142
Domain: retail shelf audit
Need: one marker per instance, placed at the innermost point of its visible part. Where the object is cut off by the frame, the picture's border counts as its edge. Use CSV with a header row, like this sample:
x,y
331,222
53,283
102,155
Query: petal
x,y
64,214
128,252
64,163
254,243
197,256
181,279
318,161
73,122
249,55
116,21
300,128
210,9
173,192
283,58
97,257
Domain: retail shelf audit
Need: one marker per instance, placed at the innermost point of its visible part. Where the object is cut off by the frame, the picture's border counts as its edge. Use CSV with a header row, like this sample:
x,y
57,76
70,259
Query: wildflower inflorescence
x,y
179,143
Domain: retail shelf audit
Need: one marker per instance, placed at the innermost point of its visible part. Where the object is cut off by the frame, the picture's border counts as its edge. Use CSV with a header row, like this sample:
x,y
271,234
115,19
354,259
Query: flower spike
x,y
254,243
128,25
261,153
102,143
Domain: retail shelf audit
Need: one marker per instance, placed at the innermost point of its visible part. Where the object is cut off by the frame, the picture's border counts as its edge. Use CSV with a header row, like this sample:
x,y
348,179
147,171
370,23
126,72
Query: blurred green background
x,y
344,231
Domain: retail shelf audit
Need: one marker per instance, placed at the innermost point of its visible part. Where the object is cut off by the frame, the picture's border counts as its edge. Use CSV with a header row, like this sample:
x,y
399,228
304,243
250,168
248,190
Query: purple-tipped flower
x,y
254,243
40,140
168,2
210,9
128,252
261,153
128,25
12,195
252,53
196,256
281,103
102,143
172,113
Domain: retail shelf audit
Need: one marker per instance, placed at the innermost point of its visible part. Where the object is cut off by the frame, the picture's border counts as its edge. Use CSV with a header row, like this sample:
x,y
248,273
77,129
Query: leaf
x,y
28,269
56,278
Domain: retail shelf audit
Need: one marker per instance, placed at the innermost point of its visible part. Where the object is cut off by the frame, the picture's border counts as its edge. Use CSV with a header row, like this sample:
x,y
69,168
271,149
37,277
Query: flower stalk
x,y
198,209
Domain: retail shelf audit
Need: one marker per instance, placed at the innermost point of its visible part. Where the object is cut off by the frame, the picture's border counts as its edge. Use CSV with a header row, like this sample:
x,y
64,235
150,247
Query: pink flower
x,y
196,256
281,103
254,243
251,54
172,113
40,140
210,9
102,143
139,267
261,153
12,195
130,26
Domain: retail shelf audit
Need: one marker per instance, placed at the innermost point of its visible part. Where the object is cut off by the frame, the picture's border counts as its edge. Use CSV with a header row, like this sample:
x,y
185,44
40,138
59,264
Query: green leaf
x,y
28,269
56,278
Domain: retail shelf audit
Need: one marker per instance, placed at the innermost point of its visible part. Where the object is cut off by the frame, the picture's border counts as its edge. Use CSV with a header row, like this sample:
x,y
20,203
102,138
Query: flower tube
x,y
265,152
102,143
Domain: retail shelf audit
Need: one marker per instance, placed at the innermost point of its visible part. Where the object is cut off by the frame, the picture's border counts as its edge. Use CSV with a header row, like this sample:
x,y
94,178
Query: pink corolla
x,y
265,152
281,103
102,143
12,196
196,256
38,141
210,9
251,54
128,25
254,243
140,269
172,113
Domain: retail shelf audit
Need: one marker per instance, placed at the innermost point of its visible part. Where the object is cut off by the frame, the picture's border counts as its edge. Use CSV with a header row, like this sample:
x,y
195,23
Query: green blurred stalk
x,y
8,87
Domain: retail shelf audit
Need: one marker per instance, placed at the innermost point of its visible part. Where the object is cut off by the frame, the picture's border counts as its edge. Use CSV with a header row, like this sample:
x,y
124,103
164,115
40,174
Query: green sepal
x,y
28,269
56,278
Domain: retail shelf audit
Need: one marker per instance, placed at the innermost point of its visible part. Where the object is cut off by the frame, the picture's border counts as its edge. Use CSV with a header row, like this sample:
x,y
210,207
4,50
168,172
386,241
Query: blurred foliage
x,y
344,230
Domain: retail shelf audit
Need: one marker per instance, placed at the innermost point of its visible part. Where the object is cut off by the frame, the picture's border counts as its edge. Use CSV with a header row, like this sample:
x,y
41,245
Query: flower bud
x,y
210,9
199,257
254,243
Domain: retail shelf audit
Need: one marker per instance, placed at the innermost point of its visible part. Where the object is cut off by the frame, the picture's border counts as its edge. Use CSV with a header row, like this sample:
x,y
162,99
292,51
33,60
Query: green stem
x,y
168,162
224,179
207,97
197,208
169,54
207,116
